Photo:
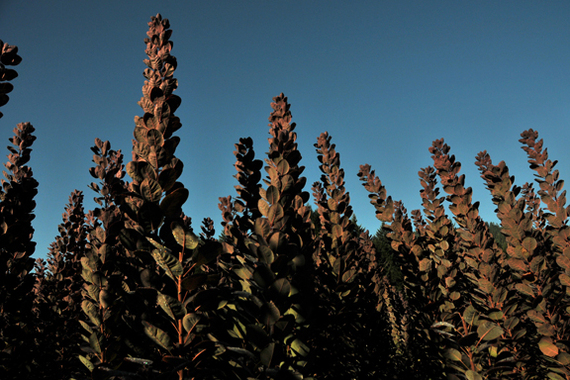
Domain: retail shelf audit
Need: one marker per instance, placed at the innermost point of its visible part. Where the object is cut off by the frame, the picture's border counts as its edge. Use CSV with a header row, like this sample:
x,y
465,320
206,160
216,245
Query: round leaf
x,y
151,190
489,331
547,347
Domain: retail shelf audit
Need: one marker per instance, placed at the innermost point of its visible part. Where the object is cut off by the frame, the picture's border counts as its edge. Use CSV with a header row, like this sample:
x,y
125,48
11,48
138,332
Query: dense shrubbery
x,y
131,291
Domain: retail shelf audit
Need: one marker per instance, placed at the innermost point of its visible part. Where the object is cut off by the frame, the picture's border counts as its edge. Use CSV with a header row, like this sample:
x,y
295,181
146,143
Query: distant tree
x,y
386,255
496,231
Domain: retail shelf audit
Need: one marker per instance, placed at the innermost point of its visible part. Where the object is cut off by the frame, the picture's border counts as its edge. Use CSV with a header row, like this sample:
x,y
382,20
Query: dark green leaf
x,y
563,262
257,335
130,238
489,331
468,340
190,321
94,343
517,265
193,282
171,306
172,203
166,260
86,327
154,138
282,287
496,315
453,354
207,252
157,335
266,355
563,358
263,276
564,279
92,312
263,207
150,216
270,314
529,243
266,254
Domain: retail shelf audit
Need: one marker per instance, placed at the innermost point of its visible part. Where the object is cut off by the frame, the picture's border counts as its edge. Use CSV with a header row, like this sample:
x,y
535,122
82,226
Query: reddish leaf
x,y
547,347
525,289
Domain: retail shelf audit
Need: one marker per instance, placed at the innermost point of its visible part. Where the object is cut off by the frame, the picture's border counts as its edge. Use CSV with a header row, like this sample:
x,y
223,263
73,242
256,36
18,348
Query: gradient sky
x,y
384,78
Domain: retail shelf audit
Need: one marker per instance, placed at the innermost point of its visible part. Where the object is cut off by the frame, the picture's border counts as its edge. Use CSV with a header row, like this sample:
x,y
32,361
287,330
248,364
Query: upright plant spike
x,y
173,264
16,248
440,263
105,268
550,281
488,307
270,239
420,346
285,230
344,268
239,215
518,229
58,294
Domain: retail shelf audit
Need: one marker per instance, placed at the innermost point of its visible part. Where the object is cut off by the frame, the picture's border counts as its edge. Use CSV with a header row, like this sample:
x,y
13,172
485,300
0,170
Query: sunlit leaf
x,y
87,363
272,195
564,279
185,238
530,244
472,375
547,347
299,348
283,167
470,315
525,289
263,207
275,213
190,321
555,376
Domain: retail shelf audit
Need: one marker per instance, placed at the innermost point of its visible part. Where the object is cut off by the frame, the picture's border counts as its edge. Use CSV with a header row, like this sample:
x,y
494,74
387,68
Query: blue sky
x,y
384,78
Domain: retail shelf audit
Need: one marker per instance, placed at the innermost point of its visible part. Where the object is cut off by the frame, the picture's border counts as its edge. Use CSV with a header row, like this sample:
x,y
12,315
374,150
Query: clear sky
x,y
384,78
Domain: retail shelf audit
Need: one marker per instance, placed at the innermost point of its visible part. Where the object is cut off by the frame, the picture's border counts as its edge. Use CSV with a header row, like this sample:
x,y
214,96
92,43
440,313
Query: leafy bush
x,y
130,291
